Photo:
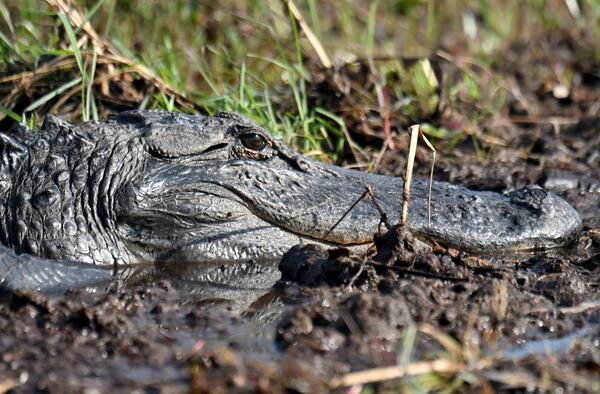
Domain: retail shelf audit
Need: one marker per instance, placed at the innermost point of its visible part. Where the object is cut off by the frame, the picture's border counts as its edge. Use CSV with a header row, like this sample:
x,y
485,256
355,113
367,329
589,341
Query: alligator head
x,y
145,186
223,189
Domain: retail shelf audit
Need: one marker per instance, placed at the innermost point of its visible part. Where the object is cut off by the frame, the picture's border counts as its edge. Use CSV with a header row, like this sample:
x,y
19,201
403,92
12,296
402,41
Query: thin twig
x,y
387,128
418,272
7,385
382,215
440,365
584,306
79,21
351,143
454,348
314,41
378,158
58,64
108,51
414,137
430,146
368,191
345,214
360,270
541,119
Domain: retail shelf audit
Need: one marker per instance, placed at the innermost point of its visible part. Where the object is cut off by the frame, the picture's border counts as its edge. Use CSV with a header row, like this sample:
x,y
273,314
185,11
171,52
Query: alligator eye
x,y
253,141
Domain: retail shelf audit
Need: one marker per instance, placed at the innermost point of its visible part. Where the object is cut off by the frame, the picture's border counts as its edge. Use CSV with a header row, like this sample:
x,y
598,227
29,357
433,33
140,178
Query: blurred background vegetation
x,y
462,68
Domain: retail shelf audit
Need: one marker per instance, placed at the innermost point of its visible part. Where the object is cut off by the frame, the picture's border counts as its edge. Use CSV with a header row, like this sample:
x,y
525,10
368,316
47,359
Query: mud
x,y
319,314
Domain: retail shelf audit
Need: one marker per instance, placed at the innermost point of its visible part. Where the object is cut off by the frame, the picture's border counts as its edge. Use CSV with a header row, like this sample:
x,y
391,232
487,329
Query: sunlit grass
x,y
251,56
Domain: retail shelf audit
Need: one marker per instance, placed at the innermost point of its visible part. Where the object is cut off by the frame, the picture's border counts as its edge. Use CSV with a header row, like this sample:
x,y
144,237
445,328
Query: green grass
x,y
251,57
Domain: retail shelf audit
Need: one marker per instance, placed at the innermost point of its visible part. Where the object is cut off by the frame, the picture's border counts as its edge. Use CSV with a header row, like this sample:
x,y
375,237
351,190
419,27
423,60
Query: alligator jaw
x,y
279,203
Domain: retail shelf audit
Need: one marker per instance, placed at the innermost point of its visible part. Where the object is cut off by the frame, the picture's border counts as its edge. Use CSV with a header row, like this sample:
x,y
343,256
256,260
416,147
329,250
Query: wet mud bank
x,y
507,322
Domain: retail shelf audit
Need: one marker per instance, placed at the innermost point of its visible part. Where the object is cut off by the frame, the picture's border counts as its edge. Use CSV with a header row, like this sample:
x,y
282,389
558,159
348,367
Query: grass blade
x,y
16,117
6,16
78,59
73,42
90,82
47,97
89,15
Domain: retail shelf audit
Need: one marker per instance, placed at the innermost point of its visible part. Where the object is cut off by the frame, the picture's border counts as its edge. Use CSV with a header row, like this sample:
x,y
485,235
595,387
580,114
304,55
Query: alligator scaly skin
x,y
145,187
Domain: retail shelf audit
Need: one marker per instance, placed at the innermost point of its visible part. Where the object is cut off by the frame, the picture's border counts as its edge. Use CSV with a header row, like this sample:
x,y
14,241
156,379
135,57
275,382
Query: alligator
x,y
145,187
